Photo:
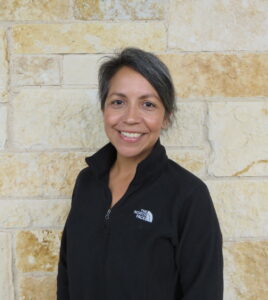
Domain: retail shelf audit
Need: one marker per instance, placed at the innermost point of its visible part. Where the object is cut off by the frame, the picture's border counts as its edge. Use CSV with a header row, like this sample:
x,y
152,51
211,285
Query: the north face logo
x,y
144,214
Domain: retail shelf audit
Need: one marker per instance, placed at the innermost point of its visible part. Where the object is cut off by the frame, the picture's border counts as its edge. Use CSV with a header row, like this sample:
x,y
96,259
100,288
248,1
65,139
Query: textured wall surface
x,y
50,120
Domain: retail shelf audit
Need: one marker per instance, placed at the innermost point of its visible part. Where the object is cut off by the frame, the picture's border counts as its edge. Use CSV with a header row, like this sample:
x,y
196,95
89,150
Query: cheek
x,y
155,123
110,119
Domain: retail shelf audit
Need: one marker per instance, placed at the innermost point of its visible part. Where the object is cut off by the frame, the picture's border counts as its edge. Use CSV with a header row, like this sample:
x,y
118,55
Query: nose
x,y
132,115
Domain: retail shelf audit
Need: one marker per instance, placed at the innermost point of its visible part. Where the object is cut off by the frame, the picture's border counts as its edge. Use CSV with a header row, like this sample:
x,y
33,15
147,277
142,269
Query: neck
x,y
127,165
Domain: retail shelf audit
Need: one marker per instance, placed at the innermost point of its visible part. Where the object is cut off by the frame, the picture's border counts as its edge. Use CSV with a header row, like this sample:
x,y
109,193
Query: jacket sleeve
x,y
199,254
62,277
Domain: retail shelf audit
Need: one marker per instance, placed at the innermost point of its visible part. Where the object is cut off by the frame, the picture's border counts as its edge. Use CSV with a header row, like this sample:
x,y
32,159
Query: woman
x,y
141,227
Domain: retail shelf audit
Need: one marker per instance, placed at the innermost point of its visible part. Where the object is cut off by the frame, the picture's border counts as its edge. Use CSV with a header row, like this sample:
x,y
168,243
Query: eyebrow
x,y
142,97
117,94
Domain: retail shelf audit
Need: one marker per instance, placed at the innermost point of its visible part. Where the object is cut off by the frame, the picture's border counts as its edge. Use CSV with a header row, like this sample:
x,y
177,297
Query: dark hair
x,y
149,66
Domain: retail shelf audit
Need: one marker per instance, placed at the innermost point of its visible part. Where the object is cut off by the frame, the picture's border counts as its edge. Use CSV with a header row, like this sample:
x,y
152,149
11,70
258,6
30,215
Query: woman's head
x,y
137,101
147,65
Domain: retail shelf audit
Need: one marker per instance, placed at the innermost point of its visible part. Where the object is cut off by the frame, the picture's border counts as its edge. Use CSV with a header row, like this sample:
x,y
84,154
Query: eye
x,y
149,104
117,102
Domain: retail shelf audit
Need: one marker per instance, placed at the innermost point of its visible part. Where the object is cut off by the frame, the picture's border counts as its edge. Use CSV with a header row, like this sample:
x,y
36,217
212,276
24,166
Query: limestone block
x,y
3,126
39,174
246,269
37,288
37,250
187,129
81,69
61,118
214,74
119,10
36,70
194,161
88,37
6,285
218,25
238,132
242,207
14,10
3,95
3,58
33,213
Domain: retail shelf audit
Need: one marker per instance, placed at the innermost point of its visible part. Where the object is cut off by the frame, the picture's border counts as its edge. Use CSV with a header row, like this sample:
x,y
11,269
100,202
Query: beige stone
x,y
3,126
6,282
13,10
119,9
61,118
36,70
238,132
81,69
37,250
218,25
3,95
39,174
242,207
187,129
225,75
88,37
37,288
194,161
43,288
246,269
33,213
3,58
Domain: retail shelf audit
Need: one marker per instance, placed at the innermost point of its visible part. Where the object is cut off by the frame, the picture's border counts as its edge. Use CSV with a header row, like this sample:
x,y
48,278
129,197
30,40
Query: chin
x,y
132,152
129,152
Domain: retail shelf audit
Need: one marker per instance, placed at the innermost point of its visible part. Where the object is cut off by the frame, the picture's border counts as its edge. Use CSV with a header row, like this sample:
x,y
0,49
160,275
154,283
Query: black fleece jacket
x,y
160,241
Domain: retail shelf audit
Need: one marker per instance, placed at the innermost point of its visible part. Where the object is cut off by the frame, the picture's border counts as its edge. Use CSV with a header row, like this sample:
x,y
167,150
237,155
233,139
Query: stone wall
x,y
49,121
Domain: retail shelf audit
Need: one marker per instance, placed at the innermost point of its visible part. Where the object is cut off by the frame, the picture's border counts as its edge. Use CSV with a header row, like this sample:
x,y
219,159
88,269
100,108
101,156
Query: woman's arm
x,y
199,255
62,278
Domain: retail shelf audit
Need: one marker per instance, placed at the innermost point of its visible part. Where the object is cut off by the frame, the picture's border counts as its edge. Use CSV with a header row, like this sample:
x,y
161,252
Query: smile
x,y
133,135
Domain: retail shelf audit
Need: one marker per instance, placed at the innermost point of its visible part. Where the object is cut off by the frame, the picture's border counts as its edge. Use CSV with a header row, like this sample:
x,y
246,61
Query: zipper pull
x,y
108,214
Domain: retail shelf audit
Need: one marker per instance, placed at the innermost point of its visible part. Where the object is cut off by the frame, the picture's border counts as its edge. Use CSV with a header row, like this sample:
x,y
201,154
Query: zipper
x,y
107,230
108,212
107,238
107,215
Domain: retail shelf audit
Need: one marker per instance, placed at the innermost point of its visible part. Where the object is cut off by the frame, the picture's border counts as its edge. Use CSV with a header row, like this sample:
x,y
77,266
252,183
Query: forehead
x,y
127,80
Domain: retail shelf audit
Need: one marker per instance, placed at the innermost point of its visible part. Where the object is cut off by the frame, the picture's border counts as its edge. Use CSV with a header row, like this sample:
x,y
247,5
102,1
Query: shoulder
x,y
181,178
85,183
193,194
84,175
194,204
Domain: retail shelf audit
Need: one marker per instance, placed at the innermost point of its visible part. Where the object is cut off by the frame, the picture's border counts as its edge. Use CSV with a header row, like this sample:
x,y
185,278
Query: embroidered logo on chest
x,y
144,215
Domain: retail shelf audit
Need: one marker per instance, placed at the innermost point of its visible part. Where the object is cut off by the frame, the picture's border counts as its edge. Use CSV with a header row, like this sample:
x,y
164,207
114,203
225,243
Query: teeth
x,y
131,135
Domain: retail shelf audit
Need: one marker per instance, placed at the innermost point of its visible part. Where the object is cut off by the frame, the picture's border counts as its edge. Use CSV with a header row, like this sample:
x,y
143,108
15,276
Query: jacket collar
x,y
149,168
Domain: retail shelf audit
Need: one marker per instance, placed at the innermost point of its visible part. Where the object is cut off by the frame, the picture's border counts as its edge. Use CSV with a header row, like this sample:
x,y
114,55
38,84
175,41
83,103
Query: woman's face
x,y
133,114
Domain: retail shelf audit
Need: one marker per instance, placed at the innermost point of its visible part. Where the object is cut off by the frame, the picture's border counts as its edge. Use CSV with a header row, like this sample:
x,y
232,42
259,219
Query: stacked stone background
x,y
50,120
